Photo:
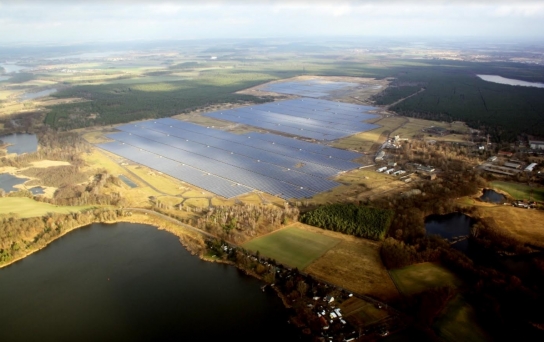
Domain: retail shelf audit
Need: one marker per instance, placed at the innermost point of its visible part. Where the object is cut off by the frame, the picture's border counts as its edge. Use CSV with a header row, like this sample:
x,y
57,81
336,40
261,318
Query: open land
x,y
292,246
26,207
458,322
417,278
520,191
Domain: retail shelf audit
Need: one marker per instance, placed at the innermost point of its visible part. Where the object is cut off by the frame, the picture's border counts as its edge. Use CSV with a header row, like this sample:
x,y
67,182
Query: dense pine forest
x,y
367,222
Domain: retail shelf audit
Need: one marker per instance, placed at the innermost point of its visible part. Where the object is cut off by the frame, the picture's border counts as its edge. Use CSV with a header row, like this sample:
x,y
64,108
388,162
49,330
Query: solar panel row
x,y
315,119
206,158
238,148
211,183
300,150
310,88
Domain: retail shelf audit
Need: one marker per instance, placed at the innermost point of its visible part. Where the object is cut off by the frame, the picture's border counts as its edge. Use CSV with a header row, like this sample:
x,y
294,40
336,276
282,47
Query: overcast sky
x,y
66,21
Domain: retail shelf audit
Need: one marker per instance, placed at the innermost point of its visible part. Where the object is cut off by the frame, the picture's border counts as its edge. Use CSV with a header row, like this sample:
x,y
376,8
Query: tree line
x,y
362,221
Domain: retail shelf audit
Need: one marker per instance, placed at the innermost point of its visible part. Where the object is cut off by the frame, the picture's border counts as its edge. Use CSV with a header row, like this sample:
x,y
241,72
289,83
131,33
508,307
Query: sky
x,y
67,21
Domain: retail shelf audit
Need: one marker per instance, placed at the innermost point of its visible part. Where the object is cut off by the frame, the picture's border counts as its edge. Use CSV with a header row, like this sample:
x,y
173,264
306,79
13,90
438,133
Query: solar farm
x,y
310,118
228,164
309,88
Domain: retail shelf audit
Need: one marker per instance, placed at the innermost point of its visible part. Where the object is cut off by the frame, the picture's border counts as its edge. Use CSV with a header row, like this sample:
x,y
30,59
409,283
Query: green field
x,y
458,323
420,277
26,207
520,191
292,246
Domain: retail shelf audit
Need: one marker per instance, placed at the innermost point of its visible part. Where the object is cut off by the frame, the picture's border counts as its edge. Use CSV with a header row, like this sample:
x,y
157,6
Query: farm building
x,y
512,165
382,169
530,167
536,144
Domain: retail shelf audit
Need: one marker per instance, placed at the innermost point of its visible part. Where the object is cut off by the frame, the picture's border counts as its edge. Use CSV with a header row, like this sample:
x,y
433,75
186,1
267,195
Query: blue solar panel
x,y
309,118
308,88
228,164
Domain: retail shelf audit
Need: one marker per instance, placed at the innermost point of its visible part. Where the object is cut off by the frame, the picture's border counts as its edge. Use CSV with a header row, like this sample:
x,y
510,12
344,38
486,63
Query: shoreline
x,y
129,219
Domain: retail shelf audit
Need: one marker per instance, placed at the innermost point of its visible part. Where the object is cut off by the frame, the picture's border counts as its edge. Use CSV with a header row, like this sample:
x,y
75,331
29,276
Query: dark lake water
x,y
8,181
132,282
492,196
449,226
21,142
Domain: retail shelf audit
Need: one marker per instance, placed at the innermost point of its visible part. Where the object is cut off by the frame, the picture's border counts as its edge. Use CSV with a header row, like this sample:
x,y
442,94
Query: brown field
x,y
354,264
361,313
364,141
527,224
360,184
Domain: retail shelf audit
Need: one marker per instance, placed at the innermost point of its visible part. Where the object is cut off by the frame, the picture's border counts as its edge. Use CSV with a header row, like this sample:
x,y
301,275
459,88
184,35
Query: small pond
x,y
127,181
510,81
492,196
37,190
35,95
8,182
20,143
450,226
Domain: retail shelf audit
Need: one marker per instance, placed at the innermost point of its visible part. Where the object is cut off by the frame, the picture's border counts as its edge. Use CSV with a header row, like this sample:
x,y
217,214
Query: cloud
x,y
64,20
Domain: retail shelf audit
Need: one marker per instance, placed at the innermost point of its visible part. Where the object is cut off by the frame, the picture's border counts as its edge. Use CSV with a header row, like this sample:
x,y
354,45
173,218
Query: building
x,y
536,144
492,159
382,169
530,167
512,165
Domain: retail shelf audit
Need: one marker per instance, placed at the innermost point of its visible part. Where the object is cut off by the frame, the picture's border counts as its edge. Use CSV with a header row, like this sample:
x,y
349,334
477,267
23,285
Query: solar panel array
x,y
310,88
228,164
311,118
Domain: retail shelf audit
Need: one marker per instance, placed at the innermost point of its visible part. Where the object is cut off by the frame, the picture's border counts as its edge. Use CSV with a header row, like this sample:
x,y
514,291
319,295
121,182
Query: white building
x,y
536,144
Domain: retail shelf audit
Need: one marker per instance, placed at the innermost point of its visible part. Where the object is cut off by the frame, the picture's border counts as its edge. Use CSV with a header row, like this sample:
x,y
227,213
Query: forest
x,y
110,104
361,221
453,92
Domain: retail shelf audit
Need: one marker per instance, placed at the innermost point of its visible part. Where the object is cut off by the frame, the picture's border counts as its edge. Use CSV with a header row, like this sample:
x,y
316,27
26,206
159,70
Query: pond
x,y
8,182
450,226
509,81
20,142
37,190
127,181
35,95
492,196
133,282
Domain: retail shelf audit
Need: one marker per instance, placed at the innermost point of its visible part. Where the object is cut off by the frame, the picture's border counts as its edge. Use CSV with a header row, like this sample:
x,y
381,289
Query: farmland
x,y
292,246
458,322
417,278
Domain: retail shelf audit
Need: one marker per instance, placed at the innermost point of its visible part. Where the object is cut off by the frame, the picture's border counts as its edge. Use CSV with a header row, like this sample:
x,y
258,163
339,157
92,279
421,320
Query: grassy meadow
x,y
417,278
26,207
292,246
520,191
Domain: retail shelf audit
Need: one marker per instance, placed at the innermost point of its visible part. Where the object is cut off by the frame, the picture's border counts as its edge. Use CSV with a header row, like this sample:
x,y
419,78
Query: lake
x,y
509,81
7,182
20,142
449,226
35,95
492,196
9,68
133,282
4,78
